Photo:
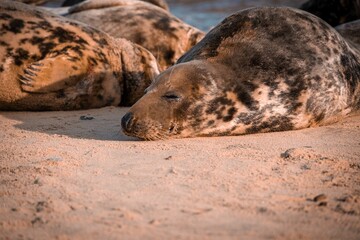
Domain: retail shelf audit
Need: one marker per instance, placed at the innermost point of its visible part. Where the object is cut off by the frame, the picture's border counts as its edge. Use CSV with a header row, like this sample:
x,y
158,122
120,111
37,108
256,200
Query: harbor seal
x,y
160,3
259,70
48,62
157,30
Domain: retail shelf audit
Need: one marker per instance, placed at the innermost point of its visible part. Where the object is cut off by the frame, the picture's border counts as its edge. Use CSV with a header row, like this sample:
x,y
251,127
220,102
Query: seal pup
x,y
48,62
164,35
160,3
259,70
334,12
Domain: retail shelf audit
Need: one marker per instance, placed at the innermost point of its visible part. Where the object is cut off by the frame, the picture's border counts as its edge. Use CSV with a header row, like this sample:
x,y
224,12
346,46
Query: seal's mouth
x,y
146,130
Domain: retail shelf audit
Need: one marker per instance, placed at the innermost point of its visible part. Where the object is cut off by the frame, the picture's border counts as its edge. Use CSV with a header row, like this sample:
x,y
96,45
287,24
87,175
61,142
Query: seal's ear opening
x,y
139,69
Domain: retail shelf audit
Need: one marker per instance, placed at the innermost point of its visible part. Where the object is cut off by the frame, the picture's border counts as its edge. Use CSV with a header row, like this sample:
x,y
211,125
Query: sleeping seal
x,y
157,30
49,62
259,70
160,3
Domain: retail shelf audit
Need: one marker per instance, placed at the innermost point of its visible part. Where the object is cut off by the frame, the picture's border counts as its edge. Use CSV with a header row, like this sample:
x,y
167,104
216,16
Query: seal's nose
x,y
126,121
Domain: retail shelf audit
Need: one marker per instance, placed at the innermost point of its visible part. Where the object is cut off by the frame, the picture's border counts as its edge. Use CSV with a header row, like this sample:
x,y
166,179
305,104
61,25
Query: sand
x,y
66,178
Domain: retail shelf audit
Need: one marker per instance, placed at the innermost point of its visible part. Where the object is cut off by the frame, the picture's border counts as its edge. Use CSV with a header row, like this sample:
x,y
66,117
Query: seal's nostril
x,y
126,120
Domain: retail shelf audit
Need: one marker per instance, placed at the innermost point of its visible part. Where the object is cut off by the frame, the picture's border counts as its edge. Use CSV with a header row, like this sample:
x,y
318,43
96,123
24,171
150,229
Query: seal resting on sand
x,y
259,70
157,30
48,62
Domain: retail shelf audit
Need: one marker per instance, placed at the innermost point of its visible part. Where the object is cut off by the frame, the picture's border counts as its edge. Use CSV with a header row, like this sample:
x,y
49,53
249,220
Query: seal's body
x,y
260,70
52,63
160,3
164,35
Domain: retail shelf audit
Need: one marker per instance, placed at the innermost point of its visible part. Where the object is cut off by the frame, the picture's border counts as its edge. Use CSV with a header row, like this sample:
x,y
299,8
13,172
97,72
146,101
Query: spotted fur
x,y
160,3
52,63
260,70
164,35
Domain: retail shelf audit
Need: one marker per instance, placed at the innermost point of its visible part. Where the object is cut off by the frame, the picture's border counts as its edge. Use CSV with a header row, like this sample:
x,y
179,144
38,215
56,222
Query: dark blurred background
x,y
204,14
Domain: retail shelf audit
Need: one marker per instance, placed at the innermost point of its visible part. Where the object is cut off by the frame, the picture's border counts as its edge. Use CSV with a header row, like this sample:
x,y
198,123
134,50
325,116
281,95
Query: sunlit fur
x,y
260,70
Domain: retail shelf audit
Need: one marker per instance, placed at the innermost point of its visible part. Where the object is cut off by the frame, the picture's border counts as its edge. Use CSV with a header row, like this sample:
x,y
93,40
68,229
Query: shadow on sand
x,y
97,124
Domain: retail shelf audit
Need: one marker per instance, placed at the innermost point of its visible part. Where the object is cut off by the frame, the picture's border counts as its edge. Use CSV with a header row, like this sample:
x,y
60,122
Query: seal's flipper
x,y
50,75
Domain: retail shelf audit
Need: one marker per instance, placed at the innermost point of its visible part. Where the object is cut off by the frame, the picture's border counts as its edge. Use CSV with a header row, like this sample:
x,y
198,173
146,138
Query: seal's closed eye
x,y
171,97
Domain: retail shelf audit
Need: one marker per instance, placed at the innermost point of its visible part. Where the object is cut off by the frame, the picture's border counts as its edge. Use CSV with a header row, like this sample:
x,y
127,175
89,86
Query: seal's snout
x,y
126,121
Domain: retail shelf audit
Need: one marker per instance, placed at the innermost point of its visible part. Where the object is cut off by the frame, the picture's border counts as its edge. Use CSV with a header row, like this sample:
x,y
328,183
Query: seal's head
x,y
175,104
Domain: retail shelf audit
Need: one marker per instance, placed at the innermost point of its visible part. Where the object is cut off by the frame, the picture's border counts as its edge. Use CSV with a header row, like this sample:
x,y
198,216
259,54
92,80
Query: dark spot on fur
x,y
4,16
100,97
245,97
273,123
45,48
23,41
60,94
102,42
211,122
62,35
318,118
35,40
92,61
169,55
4,44
164,24
181,111
45,25
139,38
217,103
20,55
101,57
230,114
15,26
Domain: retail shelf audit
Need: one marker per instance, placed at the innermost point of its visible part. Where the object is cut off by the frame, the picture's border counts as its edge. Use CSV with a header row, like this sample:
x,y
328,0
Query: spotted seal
x,y
164,35
48,62
160,3
259,70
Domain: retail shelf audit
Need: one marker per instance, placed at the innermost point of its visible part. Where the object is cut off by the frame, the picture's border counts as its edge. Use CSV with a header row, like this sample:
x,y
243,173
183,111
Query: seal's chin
x,y
153,136
150,132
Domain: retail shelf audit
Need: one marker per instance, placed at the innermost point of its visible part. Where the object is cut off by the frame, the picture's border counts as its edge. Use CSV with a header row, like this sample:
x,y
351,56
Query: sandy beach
x,y
74,175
